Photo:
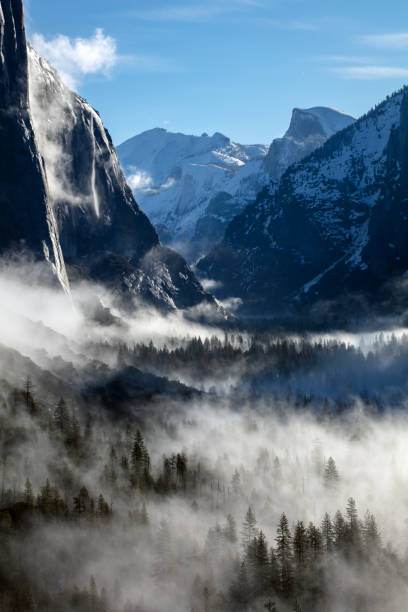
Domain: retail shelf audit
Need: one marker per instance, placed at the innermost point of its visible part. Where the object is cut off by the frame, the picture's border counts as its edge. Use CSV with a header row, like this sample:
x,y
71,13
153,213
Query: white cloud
x,y
397,40
74,58
139,180
209,284
371,72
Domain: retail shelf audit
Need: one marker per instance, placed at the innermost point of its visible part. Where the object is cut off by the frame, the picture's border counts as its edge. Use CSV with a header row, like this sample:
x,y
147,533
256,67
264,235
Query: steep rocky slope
x,y
335,229
63,189
191,187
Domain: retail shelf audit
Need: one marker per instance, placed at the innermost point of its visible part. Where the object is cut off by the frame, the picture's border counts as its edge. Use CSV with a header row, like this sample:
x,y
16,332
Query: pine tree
x,y
339,527
28,392
61,417
328,535
314,538
331,475
103,509
300,542
353,532
248,529
236,483
73,434
284,554
230,530
140,462
240,588
274,571
82,502
371,536
181,469
261,565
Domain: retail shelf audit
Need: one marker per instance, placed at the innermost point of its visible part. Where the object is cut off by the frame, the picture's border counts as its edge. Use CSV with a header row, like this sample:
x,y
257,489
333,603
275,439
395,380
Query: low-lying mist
x,y
153,461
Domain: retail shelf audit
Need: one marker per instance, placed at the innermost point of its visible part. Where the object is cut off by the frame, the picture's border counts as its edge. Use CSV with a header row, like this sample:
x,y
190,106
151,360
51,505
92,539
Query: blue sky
x,y
234,66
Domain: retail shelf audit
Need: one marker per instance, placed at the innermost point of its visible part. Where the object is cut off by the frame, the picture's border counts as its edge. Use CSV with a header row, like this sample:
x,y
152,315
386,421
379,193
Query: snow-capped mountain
x,y
191,187
62,190
337,225
309,129
176,178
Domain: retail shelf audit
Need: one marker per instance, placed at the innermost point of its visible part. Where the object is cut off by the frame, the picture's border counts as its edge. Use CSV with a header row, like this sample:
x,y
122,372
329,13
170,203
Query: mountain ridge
x,y
191,187
318,230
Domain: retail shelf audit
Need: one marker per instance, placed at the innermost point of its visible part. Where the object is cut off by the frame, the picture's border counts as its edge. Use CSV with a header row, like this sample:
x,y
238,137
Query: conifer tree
x,y
61,417
371,535
339,528
353,532
240,588
181,469
314,538
274,571
284,554
300,542
328,535
331,475
230,530
236,482
249,529
140,460
103,509
261,565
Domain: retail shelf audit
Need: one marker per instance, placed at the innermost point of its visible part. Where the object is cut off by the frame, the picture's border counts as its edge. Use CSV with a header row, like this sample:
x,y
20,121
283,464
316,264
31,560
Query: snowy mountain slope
x,y
191,187
62,188
175,177
308,130
338,222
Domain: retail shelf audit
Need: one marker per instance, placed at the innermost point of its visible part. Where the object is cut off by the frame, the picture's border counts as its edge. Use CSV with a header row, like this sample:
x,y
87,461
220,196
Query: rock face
x,y
62,189
335,229
191,187
308,130
27,219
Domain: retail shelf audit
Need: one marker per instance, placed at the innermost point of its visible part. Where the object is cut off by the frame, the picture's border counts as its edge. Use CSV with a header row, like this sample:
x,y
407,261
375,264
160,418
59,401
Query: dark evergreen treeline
x,y
76,487
297,567
327,372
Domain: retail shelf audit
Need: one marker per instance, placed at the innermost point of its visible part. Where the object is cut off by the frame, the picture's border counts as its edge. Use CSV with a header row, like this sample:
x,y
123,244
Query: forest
x,y
158,463
215,510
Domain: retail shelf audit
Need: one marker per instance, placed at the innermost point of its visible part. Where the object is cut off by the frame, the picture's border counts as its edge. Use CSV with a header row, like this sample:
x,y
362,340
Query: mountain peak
x,y
321,121
337,218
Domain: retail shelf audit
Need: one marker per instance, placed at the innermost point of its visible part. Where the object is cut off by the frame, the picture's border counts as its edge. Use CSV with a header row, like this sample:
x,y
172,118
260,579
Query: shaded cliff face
x,y
94,206
337,226
308,130
27,219
62,191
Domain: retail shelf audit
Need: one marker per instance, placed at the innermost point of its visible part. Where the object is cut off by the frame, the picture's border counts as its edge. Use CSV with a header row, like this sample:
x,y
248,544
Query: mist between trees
x,y
208,471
